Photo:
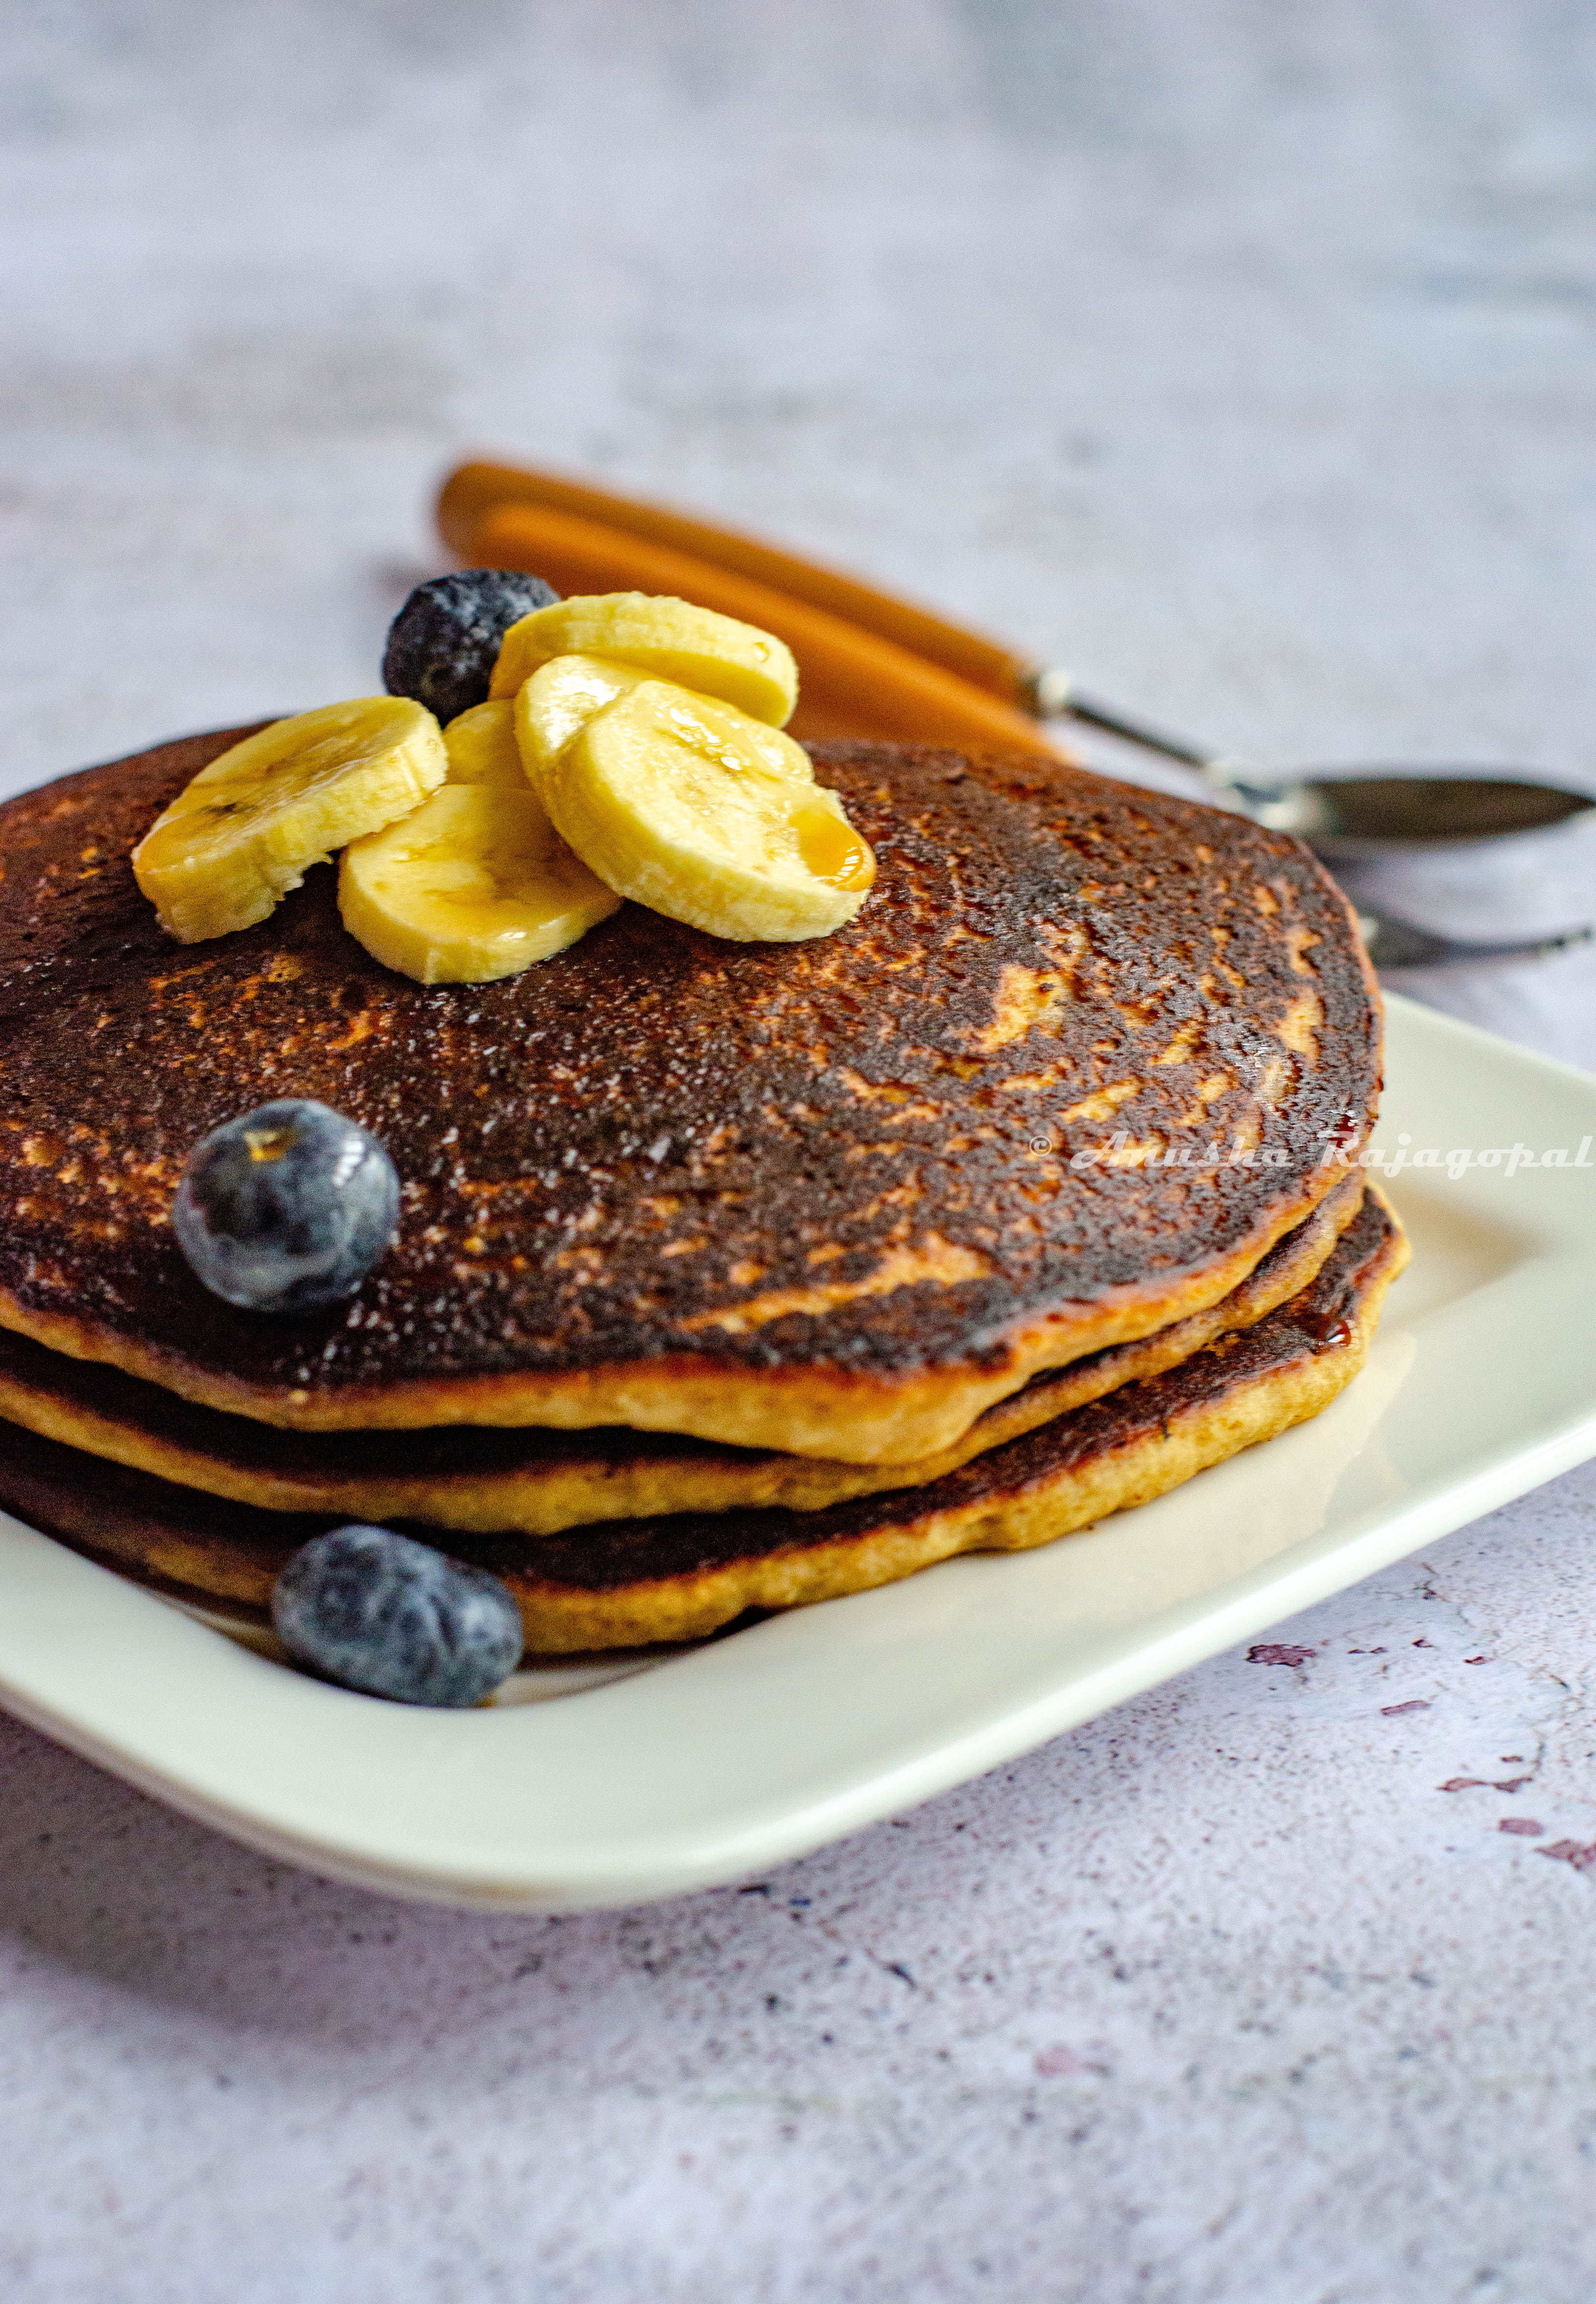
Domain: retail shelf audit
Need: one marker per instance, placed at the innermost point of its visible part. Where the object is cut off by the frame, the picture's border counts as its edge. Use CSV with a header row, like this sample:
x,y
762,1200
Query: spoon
x,y
1357,813
874,665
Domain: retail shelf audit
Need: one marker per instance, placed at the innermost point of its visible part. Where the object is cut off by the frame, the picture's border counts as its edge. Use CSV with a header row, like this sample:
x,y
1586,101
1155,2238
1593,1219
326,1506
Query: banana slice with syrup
x,y
662,638
475,886
249,826
692,808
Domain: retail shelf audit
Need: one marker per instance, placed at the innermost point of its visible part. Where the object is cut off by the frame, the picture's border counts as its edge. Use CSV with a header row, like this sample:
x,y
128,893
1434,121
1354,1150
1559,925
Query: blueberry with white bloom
x,y
443,643
381,1614
287,1208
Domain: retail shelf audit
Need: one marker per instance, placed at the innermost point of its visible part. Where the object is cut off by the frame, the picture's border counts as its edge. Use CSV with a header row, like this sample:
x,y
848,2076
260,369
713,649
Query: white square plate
x,y
604,1786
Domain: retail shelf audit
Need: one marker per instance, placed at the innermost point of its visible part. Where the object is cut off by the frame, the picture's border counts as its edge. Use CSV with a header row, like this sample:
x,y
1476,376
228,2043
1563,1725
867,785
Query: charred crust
x,y
660,1150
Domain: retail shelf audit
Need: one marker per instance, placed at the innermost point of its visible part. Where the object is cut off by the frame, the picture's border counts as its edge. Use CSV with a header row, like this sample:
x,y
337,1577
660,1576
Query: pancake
x,y
816,1198
625,1583
474,1478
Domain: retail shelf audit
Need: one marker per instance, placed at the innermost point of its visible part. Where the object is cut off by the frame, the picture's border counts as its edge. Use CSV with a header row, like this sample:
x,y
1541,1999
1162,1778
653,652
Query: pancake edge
x,y
561,1619
820,1411
564,1620
545,1501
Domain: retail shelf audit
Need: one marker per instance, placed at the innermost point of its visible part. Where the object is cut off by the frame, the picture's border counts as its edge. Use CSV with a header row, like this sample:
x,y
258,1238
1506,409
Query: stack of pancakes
x,y
730,1277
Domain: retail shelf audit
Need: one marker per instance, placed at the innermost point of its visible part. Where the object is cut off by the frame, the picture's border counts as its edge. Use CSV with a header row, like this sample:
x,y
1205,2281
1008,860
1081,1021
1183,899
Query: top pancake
x,y
815,1197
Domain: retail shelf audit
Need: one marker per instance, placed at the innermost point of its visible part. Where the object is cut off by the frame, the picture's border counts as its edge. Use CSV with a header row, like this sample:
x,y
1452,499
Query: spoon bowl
x,y
1372,812
1344,812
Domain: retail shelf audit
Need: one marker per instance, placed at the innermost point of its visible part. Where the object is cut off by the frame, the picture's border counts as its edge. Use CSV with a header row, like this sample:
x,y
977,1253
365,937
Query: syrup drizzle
x,y
831,849
1330,1327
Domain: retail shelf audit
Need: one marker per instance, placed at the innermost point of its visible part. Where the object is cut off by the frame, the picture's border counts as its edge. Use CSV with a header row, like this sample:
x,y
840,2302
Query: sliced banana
x,y
689,807
475,886
561,698
482,748
666,639
248,827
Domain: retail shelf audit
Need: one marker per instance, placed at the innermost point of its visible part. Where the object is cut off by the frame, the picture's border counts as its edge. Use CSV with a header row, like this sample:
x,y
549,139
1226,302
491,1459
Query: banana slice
x,y
691,808
248,827
668,640
482,748
475,886
560,699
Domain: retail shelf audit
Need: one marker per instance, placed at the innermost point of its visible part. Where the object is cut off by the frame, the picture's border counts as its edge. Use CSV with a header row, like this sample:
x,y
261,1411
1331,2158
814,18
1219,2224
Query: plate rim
x,y
71,1622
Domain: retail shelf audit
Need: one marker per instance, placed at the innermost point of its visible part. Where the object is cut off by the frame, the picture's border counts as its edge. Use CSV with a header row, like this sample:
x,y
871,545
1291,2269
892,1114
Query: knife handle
x,y
471,490
852,681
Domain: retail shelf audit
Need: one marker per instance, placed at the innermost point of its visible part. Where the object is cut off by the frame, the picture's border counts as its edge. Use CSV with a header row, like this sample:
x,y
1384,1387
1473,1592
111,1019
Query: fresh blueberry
x,y
444,641
287,1208
391,1617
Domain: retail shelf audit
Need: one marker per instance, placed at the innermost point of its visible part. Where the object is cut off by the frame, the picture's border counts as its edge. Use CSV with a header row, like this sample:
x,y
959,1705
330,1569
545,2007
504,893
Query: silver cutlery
x,y
1340,812
1398,944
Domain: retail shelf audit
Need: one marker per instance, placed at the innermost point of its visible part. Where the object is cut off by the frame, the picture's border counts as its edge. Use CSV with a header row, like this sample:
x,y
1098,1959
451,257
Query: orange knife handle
x,y
851,683
471,490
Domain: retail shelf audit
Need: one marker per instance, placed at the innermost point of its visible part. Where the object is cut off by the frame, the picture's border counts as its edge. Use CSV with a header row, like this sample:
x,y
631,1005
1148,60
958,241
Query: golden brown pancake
x,y
627,1582
472,1476
816,1197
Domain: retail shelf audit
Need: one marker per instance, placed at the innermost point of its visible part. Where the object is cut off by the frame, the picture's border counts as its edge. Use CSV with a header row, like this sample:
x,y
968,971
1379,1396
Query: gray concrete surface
x,y
1243,358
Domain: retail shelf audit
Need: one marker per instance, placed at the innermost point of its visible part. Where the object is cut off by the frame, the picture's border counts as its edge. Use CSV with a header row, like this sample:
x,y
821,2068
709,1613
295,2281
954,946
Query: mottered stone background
x,y
1241,357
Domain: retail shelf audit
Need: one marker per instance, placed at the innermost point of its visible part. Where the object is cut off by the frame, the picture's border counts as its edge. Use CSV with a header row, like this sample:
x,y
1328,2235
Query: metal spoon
x,y
1363,814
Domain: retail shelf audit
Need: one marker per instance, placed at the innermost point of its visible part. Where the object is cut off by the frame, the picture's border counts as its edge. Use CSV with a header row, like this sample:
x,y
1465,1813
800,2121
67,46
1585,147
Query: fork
x,y
1398,944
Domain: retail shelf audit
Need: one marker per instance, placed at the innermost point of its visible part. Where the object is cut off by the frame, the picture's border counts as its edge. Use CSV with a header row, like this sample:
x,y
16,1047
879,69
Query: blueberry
x,y
444,641
287,1208
391,1617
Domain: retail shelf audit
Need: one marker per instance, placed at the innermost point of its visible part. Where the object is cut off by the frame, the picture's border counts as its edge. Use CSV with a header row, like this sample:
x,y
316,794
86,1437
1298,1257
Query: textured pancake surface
x,y
630,1582
813,1197
475,1477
